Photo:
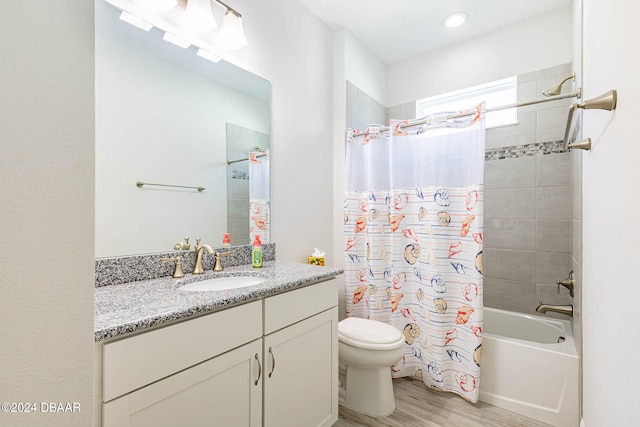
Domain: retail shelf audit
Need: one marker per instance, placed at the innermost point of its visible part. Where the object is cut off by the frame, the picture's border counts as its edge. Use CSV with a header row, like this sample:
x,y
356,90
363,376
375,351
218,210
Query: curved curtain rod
x,y
575,94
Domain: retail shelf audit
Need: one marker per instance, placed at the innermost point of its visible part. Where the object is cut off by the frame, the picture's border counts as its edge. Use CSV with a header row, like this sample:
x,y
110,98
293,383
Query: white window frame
x,y
495,94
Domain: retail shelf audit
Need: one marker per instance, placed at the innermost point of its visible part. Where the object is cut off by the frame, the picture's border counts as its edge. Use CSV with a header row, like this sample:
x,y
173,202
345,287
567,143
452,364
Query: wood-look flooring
x,y
417,406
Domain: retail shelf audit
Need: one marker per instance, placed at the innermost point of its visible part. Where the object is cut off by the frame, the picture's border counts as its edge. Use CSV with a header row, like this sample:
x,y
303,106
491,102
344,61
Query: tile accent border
x,y
518,151
133,268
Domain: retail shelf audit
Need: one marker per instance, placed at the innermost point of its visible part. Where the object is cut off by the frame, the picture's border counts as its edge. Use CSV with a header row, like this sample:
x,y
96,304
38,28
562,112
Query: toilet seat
x,y
369,334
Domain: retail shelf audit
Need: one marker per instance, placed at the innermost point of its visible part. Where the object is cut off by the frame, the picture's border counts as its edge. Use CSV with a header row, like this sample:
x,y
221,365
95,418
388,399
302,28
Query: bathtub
x,y
530,366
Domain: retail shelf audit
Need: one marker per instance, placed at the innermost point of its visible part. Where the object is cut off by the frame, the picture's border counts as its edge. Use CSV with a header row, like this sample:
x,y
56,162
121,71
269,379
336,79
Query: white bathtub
x,y
526,370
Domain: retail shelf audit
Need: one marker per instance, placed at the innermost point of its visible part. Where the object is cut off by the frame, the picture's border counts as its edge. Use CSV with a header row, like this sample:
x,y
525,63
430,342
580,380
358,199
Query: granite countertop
x,y
131,307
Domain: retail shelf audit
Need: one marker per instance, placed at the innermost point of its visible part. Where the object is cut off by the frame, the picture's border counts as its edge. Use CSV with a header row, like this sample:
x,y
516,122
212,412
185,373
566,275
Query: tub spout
x,y
562,309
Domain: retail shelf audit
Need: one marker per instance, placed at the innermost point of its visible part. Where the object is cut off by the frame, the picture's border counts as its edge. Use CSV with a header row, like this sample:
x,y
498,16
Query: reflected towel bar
x,y
140,184
230,162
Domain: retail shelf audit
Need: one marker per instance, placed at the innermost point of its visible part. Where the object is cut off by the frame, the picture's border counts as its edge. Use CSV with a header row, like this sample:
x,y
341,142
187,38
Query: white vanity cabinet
x,y
272,362
301,357
201,372
220,391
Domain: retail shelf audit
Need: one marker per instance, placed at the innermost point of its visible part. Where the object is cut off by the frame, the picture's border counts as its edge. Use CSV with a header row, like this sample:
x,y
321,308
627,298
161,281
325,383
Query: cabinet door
x,y
301,373
223,391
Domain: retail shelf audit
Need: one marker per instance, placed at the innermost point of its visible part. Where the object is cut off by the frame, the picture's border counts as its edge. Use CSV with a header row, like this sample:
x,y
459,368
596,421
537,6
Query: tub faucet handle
x,y
567,283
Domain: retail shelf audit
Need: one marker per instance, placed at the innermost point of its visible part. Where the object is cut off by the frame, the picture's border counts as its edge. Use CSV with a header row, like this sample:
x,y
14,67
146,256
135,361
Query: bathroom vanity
x,y
265,354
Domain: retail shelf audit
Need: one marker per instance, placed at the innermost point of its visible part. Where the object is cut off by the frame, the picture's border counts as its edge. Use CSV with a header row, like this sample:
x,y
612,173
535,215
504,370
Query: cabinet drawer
x,y
286,309
134,362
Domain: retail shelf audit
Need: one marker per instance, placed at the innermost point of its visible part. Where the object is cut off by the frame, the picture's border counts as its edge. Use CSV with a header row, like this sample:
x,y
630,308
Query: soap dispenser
x,y
256,253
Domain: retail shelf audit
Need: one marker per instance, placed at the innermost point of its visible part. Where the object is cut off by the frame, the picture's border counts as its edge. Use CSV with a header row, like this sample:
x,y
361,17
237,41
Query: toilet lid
x,y
368,331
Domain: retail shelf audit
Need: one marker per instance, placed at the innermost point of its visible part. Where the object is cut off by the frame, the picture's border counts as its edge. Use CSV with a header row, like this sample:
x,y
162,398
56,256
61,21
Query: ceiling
x,y
399,30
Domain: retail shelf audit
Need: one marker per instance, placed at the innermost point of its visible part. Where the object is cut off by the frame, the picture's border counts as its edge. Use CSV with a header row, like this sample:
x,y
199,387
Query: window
x,y
495,94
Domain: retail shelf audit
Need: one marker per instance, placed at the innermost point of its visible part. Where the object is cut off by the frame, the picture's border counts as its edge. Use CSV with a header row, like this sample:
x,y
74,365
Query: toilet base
x,y
368,391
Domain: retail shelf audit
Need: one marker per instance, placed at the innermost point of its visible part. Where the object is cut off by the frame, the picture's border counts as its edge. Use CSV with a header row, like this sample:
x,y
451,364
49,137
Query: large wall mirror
x,y
167,116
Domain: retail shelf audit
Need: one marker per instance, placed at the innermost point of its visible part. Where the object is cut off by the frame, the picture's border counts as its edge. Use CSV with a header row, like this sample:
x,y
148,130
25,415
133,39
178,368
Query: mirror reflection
x,y
167,116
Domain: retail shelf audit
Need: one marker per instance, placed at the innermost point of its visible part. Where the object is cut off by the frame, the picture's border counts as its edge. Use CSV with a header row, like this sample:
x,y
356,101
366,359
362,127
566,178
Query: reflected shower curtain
x,y
413,233
259,198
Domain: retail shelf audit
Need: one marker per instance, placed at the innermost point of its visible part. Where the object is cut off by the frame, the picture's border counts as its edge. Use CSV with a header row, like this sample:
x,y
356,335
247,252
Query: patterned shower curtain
x,y
259,197
413,233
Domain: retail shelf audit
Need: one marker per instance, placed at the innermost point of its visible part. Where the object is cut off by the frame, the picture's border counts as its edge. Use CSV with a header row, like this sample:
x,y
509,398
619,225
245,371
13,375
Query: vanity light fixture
x,y
199,15
165,5
455,20
188,20
231,32
135,21
172,38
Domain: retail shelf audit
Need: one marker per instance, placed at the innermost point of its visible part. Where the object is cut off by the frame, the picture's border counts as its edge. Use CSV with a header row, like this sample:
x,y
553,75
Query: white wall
x,y
293,50
160,123
534,44
339,128
610,207
46,213
364,69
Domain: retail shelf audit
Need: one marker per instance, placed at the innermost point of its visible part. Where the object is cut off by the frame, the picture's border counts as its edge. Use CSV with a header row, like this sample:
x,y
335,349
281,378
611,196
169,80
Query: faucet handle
x,y
178,273
568,283
218,264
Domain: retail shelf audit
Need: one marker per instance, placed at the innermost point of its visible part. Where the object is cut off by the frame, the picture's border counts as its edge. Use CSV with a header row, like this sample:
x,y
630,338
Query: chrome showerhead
x,y
555,90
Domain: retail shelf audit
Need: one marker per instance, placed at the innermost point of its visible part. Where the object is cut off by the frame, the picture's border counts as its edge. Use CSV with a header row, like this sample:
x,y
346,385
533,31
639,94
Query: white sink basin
x,y
222,283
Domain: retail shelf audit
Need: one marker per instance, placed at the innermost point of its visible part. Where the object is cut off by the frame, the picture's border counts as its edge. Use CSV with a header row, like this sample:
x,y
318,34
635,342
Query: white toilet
x,y
367,349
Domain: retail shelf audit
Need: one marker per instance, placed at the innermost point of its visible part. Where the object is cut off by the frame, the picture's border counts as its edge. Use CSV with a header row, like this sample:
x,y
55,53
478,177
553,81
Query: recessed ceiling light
x,y
455,20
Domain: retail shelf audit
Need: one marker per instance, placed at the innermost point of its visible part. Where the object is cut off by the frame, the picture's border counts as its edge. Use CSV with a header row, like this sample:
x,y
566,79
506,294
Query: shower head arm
x,y
565,80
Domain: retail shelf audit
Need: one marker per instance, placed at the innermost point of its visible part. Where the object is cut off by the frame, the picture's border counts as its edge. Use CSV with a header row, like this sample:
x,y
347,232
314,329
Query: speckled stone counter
x,y
131,307
130,268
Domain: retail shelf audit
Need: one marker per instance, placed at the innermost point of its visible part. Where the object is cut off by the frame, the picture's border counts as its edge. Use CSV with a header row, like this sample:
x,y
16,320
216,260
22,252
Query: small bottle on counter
x,y
226,241
256,253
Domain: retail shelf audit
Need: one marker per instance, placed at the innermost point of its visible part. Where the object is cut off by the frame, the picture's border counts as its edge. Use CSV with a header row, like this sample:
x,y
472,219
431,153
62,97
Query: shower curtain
x,y
259,198
413,233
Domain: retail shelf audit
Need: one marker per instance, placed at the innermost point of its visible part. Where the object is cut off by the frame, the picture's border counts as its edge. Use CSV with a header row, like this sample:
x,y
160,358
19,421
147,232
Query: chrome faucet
x,y
197,268
562,309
